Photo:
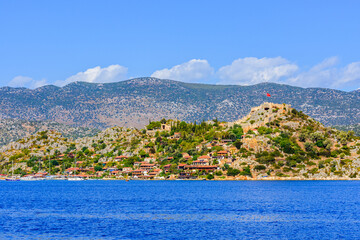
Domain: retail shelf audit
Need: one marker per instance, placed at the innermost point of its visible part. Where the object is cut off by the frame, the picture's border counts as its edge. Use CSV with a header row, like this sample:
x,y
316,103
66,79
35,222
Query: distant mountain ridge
x,y
134,102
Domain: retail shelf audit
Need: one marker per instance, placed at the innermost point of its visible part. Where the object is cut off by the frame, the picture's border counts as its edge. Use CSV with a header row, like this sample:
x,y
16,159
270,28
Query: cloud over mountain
x,y
329,74
24,81
112,73
251,70
243,71
194,70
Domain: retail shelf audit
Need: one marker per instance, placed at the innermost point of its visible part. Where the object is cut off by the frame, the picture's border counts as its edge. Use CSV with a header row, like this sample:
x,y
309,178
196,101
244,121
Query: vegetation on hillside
x,y
290,145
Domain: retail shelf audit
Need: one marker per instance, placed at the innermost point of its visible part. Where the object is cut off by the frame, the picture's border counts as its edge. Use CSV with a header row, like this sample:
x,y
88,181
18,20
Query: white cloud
x,y
350,75
112,73
194,70
251,70
329,75
243,71
28,82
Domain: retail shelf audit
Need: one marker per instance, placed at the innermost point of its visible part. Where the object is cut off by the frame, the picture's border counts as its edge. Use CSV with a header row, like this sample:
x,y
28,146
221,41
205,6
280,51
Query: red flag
x,y
268,95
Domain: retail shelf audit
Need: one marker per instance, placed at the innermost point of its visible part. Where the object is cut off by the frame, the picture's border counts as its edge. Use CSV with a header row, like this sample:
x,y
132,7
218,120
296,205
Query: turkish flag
x,y
268,95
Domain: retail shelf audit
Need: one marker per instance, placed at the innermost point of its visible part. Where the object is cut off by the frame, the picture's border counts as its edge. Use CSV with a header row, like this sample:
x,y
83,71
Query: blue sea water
x,y
180,210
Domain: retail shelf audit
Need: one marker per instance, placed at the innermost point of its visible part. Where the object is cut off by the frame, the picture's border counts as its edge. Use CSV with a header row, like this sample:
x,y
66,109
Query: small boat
x,y
12,179
31,178
75,178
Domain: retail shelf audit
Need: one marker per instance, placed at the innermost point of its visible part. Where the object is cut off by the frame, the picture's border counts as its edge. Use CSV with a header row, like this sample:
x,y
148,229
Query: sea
x,y
98,209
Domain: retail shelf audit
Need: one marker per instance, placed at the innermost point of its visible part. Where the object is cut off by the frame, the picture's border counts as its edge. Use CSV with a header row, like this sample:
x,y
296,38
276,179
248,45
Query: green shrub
x,y
259,167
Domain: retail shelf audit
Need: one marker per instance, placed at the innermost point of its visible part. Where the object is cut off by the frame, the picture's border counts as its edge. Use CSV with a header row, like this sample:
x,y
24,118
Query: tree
x,y
246,172
259,167
98,168
316,136
238,144
210,176
302,137
309,146
233,172
327,144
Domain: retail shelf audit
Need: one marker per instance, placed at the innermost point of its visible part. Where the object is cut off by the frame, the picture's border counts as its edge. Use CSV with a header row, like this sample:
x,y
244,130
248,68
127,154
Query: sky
x,y
302,43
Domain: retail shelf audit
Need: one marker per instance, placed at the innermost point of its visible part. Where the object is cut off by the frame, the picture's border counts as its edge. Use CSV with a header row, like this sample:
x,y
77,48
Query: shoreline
x,y
277,179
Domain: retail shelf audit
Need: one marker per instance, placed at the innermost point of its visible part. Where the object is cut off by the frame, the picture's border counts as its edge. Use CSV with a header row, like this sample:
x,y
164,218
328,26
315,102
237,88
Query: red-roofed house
x,y
223,153
147,166
119,158
181,166
201,162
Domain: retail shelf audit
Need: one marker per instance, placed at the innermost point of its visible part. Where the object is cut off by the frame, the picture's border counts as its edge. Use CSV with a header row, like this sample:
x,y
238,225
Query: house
x,y
149,159
186,175
41,174
177,135
167,168
223,153
181,166
201,162
126,169
114,173
204,157
88,169
147,166
137,164
206,168
111,169
72,170
165,127
155,172
138,172
120,158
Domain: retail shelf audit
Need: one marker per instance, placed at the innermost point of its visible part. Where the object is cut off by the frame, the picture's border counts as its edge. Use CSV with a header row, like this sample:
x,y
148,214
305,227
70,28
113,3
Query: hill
x,y
274,141
132,103
14,129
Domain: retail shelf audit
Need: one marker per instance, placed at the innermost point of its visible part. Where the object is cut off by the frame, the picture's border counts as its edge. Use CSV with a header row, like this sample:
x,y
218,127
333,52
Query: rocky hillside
x,y
14,129
274,141
132,103
355,128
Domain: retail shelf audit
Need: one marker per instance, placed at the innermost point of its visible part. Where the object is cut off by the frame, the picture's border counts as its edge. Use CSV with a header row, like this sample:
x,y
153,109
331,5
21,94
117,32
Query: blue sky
x,y
302,43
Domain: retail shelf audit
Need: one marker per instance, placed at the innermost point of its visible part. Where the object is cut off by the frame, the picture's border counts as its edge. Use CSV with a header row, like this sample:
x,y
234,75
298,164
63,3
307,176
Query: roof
x,y
222,152
201,160
147,165
73,169
204,157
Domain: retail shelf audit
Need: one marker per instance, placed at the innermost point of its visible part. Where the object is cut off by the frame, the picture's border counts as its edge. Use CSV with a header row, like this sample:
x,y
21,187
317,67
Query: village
x,y
273,142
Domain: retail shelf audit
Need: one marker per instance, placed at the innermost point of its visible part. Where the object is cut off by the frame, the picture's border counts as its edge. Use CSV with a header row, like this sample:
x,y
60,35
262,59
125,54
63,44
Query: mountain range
x,y
133,103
